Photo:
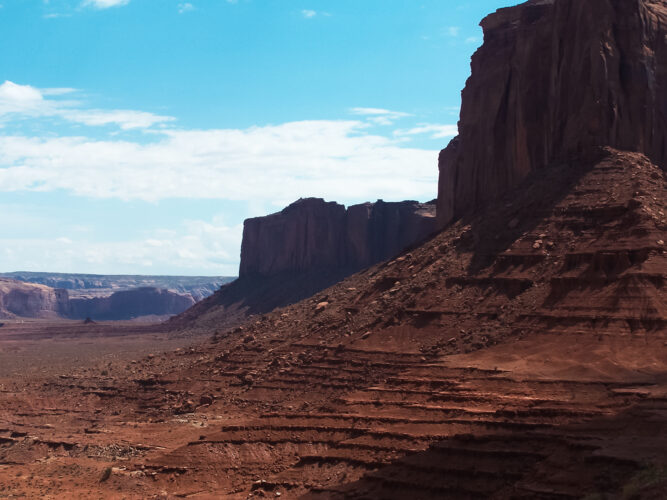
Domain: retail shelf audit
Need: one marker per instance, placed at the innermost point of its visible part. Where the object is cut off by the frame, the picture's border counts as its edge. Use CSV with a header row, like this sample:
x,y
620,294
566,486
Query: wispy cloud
x,y
308,14
25,101
104,4
435,131
272,165
194,246
379,116
331,159
452,31
185,7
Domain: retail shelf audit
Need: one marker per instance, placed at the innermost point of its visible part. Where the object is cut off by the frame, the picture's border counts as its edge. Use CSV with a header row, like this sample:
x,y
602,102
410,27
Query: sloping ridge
x,y
520,353
308,246
366,390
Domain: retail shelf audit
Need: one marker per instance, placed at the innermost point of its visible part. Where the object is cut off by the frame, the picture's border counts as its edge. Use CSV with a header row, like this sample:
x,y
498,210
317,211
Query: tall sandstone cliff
x,y
556,79
307,247
312,235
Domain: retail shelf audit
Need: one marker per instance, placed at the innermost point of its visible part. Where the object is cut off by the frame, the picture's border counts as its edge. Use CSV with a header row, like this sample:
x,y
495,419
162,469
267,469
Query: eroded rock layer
x,y
553,79
521,353
30,300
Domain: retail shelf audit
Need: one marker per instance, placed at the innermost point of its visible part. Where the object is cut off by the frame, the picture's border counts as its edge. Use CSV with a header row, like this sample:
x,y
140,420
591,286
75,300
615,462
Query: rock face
x,y
555,79
305,248
130,304
97,285
314,235
30,301
306,235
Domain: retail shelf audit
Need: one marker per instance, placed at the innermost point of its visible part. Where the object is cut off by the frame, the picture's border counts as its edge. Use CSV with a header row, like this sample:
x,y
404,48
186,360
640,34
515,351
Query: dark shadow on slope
x,y
597,458
522,209
251,295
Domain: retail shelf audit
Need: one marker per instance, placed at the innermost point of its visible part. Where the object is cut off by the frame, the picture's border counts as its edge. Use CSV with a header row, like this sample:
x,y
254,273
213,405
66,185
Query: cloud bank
x,y
137,155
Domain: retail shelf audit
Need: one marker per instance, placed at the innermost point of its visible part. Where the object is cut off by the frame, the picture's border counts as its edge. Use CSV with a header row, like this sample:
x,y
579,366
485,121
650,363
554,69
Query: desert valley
x,y
507,340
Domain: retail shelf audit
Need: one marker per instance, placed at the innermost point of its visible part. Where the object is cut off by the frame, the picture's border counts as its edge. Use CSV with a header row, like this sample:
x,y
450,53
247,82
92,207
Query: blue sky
x,y
137,135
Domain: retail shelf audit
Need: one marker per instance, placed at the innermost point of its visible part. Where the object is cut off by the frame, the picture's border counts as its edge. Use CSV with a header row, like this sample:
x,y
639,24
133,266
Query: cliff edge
x,y
556,79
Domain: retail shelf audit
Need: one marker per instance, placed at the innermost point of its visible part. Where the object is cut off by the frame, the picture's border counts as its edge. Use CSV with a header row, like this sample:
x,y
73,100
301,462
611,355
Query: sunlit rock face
x,y
30,301
556,79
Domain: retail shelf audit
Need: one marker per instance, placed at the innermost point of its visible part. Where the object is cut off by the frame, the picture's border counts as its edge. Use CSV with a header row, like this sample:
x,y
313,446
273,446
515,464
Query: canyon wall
x,y
128,304
99,285
30,300
556,79
313,235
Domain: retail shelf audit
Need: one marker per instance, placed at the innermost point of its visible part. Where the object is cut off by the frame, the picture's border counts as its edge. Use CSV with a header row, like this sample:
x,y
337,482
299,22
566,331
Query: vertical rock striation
x,y
312,235
307,247
556,79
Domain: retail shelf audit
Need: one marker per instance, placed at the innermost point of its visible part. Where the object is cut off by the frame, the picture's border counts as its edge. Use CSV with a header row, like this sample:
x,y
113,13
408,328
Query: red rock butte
x,y
520,353
553,80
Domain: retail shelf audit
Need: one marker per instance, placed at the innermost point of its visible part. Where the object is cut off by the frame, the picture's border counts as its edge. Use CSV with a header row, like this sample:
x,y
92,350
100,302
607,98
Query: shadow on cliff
x,y
251,295
520,210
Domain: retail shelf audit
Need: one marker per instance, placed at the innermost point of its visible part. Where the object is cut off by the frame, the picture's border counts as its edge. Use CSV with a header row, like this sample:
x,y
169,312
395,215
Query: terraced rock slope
x,y
521,353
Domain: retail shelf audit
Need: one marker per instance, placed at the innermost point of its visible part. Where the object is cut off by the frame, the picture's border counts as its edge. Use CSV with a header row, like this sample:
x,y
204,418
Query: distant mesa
x,y
130,304
29,300
98,285
99,298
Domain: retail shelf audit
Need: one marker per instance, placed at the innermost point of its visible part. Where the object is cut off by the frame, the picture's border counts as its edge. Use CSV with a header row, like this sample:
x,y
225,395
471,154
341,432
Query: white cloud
x,y
452,31
25,101
379,116
265,166
279,163
57,91
194,247
185,7
472,39
434,130
19,95
125,119
105,4
307,13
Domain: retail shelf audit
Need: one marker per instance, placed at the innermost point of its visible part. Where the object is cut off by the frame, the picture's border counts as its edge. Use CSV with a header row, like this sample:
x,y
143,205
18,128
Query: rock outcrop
x,y
314,235
98,285
556,79
30,300
129,304
310,245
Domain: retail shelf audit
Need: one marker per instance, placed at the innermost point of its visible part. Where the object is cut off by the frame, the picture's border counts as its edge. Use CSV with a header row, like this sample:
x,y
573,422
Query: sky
x,y
136,136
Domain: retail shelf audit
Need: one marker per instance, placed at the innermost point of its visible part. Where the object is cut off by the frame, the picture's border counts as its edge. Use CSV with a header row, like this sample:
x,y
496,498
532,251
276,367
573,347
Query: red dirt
x,y
521,353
